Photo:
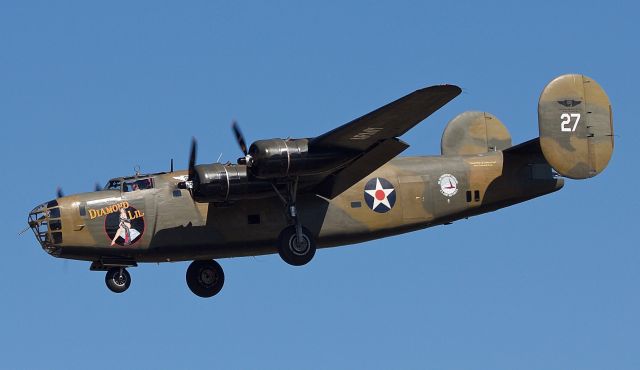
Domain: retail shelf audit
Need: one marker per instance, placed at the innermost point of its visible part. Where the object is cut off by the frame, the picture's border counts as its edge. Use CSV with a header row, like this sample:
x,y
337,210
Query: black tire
x,y
293,254
117,279
205,278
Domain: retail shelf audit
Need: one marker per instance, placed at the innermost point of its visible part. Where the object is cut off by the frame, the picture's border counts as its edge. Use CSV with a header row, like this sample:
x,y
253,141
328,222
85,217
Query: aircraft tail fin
x,y
474,133
576,126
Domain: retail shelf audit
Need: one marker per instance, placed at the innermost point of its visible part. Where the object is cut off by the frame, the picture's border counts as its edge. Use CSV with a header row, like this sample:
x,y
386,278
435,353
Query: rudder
x,y
576,126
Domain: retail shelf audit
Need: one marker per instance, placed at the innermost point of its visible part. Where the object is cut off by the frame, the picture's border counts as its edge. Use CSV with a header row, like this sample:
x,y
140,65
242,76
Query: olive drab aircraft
x,y
348,185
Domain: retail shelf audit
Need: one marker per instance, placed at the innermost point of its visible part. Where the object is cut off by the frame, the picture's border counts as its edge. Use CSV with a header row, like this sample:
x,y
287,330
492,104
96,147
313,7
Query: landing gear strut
x,y
205,278
295,244
117,279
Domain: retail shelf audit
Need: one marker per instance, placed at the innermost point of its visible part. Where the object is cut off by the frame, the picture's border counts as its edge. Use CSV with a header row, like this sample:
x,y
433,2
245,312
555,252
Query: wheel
x,y
117,279
205,278
293,253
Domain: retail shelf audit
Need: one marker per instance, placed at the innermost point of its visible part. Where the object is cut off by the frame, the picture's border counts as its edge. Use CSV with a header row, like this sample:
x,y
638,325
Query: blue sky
x,y
88,90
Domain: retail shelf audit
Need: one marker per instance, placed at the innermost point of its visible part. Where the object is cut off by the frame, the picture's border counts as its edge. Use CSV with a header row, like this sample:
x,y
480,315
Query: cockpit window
x,y
134,185
113,185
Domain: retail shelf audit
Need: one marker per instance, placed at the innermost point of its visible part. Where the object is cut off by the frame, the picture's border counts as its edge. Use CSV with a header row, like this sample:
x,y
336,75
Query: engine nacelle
x,y
217,182
278,158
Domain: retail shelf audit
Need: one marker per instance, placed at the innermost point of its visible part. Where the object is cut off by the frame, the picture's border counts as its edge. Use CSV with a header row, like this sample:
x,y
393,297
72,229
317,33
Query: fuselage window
x,y
55,225
57,237
54,212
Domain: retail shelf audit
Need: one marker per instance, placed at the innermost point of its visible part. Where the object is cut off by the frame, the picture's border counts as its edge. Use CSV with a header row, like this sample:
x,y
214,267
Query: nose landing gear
x,y
117,279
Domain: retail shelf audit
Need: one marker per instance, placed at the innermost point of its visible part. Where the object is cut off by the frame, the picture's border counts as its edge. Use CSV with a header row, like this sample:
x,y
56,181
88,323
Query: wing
x,y
372,141
341,180
392,120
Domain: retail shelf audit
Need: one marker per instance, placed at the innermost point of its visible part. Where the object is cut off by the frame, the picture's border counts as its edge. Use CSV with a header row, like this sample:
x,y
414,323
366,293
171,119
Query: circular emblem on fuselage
x,y
124,227
379,195
448,185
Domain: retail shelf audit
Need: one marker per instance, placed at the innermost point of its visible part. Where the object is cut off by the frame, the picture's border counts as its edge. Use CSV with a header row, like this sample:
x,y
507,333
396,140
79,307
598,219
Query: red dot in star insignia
x,y
379,195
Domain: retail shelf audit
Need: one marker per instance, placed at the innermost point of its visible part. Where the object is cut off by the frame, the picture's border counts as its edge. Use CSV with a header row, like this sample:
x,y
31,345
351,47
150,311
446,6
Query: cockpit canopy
x,y
130,184
113,184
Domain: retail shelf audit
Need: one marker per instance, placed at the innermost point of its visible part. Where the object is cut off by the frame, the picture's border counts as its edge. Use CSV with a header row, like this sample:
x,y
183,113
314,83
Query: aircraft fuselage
x,y
163,223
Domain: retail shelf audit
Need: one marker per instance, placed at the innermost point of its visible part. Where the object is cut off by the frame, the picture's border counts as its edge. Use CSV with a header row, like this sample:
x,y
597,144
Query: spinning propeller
x,y
192,180
192,162
239,137
243,145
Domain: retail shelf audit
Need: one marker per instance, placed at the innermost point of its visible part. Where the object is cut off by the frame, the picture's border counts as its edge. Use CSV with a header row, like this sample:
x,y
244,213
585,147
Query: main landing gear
x,y
296,248
205,278
296,245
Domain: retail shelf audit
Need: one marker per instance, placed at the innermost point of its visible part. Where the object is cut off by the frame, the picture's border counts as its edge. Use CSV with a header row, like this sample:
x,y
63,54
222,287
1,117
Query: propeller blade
x,y
192,158
239,137
59,192
97,187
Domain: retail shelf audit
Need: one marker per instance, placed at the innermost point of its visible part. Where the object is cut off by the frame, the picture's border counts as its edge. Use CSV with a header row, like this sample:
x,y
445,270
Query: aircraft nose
x,y
46,224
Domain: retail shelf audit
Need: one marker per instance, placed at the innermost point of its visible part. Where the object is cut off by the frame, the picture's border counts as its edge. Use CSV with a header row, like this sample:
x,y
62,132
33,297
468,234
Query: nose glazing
x,y
46,224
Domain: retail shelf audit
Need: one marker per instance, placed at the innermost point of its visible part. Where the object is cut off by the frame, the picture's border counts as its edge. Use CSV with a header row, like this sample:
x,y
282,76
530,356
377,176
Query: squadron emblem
x,y
569,102
448,185
379,195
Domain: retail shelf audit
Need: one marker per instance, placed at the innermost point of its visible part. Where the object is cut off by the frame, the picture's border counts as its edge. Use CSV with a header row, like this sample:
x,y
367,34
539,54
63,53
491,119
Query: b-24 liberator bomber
x,y
291,196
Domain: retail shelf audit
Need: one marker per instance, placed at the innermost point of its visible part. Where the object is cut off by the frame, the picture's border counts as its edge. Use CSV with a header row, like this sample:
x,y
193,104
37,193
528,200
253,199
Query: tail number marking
x,y
565,125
